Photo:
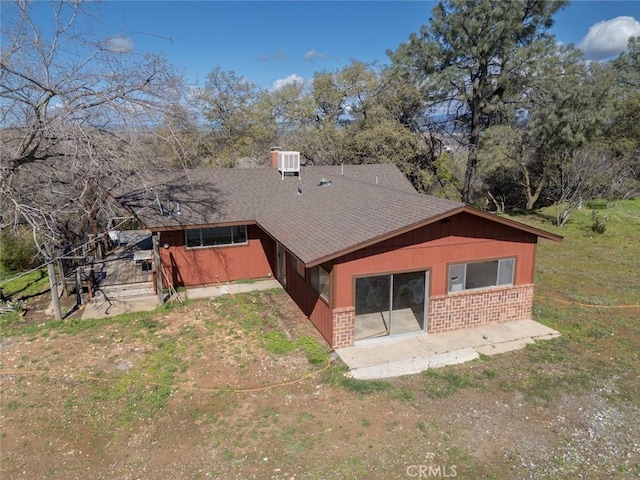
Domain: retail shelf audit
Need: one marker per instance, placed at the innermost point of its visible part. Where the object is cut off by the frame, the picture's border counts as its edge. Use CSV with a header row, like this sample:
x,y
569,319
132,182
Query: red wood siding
x,y
462,238
202,266
310,302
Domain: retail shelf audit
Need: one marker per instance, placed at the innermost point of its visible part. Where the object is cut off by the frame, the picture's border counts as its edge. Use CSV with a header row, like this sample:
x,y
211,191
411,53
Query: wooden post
x,y
54,290
79,298
63,278
158,265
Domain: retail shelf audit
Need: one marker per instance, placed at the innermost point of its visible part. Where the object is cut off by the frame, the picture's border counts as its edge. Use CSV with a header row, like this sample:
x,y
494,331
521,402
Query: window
x,y
467,276
320,281
218,236
296,265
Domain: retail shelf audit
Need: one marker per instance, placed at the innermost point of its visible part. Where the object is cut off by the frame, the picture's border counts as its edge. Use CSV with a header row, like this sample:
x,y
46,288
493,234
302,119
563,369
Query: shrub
x,y
599,222
17,251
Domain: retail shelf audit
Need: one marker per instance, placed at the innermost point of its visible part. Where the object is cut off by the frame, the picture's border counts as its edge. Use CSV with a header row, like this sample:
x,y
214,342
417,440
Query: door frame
x,y
425,319
281,264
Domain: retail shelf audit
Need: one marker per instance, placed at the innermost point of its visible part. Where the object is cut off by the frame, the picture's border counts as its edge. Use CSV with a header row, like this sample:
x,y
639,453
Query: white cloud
x,y
609,38
311,55
119,45
293,78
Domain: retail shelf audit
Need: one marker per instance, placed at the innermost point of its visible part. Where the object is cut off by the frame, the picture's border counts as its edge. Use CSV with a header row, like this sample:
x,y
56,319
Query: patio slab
x,y
101,307
393,357
193,293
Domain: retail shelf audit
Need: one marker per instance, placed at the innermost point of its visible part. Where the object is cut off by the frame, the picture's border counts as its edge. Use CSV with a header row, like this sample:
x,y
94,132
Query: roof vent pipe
x,y
376,179
342,169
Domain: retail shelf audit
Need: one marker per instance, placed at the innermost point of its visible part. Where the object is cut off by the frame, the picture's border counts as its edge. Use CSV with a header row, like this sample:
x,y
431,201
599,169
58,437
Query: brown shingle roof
x,y
362,204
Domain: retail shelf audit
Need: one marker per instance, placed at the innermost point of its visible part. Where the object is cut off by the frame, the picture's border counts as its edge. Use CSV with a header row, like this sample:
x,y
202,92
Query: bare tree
x,y
587,174
74,107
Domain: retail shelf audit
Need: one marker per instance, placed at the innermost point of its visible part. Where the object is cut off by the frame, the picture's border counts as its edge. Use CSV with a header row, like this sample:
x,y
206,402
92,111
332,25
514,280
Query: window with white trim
x,y
320,281
216,236
469,276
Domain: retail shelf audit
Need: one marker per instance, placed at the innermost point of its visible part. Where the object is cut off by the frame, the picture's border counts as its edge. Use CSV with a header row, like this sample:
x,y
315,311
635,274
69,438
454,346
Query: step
x,y
126,290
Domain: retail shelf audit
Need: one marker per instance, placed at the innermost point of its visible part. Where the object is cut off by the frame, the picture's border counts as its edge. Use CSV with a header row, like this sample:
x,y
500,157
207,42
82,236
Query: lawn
x,y
244,388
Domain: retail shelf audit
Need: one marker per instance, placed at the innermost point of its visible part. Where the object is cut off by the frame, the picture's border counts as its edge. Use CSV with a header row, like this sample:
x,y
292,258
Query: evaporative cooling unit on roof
x,y
289,163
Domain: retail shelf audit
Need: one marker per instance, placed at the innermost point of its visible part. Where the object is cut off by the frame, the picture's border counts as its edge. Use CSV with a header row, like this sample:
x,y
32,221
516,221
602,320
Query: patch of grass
x,y
543,387
149,323
570,267
275,291
26,285
145,390
442,384
337,376
251,312
403,393
315,352
550,351
304,417
277,343
489,373
296,442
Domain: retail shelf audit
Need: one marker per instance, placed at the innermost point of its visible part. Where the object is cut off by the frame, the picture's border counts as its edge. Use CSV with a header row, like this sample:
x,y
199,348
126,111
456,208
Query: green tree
x,y
473,62
627,65
239,126
624,130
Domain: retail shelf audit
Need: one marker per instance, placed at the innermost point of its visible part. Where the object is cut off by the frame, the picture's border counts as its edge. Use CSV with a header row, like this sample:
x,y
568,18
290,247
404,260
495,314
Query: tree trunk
x,y
532,194
472,159
469,176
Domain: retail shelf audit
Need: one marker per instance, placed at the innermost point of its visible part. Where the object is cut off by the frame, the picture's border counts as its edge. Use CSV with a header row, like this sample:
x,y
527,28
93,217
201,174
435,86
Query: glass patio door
x,y
392,304
408,302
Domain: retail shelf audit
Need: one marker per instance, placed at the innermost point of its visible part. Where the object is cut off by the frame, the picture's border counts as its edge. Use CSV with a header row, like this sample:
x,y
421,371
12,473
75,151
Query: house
x,y
357,248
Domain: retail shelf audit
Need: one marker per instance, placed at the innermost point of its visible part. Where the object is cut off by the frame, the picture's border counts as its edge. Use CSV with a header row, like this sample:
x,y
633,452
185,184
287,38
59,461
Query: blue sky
x,y
273,42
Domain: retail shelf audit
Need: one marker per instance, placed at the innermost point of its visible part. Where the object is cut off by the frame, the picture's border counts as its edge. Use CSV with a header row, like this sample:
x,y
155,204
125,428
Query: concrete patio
x,y
393,357
103,307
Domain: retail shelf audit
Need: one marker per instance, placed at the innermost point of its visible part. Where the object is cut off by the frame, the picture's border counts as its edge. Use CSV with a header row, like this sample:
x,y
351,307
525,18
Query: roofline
x,y
464,209
513,223
169,228
382,238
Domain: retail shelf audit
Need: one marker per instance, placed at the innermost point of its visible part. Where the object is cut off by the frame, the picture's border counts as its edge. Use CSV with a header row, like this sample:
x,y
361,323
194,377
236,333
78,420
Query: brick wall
x,y
475,308
343,327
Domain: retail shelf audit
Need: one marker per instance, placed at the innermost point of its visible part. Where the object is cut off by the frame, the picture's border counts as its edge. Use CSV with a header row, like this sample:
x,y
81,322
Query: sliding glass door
x,y
392,304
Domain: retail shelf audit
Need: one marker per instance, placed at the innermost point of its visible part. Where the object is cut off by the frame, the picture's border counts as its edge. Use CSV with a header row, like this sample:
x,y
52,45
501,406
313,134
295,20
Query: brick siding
x,y
474,308
343,327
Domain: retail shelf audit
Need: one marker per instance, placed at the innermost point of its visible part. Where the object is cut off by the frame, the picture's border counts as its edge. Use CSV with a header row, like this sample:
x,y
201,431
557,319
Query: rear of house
x,y
362,254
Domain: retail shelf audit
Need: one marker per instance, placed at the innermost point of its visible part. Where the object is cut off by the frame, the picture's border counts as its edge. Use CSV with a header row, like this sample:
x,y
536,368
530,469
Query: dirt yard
x,y
225,389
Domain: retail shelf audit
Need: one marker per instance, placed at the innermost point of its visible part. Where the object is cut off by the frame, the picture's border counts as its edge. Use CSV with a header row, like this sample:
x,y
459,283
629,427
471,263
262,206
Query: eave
x,y
465,209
